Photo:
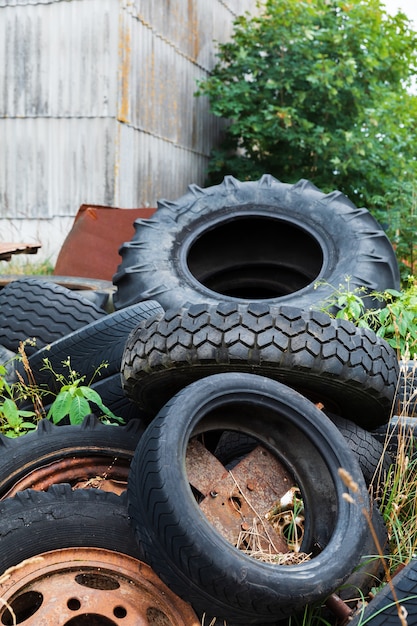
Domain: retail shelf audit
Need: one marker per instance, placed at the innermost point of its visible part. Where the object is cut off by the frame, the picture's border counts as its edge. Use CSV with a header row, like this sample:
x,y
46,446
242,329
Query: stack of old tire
x,y
242,352
225,358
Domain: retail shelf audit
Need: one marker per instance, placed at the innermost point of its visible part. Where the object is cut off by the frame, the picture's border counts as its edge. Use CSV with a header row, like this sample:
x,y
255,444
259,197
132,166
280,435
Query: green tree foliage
x,y
320,89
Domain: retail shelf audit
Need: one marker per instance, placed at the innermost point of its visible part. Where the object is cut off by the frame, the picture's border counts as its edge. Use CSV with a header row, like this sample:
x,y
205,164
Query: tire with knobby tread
x,y
373,459
191,555
40,309
244,241
49,443
348,369
399,434
38,521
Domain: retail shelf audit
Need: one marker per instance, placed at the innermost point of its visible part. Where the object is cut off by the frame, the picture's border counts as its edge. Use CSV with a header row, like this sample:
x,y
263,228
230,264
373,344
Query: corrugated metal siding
x,y
59,59
157,90
97,104
190,26
51,166
152,163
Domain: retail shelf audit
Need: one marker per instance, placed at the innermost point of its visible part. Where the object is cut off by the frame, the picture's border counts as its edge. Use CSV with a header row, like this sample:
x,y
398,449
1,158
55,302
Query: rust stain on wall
x,y
193,29
125,51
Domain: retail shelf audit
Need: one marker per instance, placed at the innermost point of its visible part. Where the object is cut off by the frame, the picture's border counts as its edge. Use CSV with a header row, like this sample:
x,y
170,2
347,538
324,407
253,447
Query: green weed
x,y
74,400
395,321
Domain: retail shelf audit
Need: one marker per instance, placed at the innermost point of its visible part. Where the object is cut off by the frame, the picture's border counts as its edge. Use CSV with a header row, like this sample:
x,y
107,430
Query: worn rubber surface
x,y
382,610
50,443
38,521
348,369
370,571
88,347
406,398
190,555
373,459
6,357
256,240
42,310
399,434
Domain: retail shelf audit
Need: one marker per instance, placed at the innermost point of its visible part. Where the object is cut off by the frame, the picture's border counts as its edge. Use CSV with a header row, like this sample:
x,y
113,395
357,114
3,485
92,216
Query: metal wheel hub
x,y
89,587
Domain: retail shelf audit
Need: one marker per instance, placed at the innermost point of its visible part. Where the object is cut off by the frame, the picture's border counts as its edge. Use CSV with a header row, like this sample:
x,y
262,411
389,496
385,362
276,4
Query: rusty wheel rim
x,y
251,506
105,473
89,587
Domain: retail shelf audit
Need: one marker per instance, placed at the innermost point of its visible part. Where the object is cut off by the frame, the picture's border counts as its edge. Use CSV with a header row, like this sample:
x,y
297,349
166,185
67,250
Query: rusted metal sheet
x,y
7,250
91,248
240,499
94,472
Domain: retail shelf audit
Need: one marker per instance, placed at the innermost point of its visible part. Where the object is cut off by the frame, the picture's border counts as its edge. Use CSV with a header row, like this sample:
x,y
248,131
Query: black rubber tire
x,y
373,458
187,552
40,309
382,610
38,521
88,347
7,357
98,291
400,431
244,241
348,369
49,443
370,571
406,398
114,398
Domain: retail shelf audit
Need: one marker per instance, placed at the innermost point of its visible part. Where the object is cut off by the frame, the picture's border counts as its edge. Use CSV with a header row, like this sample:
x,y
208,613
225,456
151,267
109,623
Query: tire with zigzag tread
x,y
41,310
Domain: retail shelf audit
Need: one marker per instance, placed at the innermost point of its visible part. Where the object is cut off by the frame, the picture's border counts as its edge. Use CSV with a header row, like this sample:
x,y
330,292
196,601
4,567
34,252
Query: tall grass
x,y
20,267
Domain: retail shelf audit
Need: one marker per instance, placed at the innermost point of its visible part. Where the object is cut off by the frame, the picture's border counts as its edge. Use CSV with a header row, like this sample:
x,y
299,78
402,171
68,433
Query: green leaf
x,y
94,397
26,413
78,410
11,412
60,407
28,425
355,309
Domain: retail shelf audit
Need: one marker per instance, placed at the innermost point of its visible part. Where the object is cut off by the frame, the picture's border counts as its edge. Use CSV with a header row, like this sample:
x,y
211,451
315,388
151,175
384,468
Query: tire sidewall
x,y
284,583
351,241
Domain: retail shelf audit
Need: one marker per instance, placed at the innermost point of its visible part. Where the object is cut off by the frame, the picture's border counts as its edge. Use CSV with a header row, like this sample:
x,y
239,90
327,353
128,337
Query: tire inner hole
x,y
255,258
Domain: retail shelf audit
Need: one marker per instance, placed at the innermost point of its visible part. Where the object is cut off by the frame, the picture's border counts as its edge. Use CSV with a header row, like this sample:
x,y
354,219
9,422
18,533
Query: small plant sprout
x,y
13,421
75,399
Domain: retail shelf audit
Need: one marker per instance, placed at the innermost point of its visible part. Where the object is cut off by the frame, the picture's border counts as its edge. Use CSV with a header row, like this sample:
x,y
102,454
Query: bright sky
x,y
409,7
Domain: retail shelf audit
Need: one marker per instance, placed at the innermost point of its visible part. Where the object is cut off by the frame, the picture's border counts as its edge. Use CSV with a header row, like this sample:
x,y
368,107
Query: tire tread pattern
x,y
32,308
308,350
